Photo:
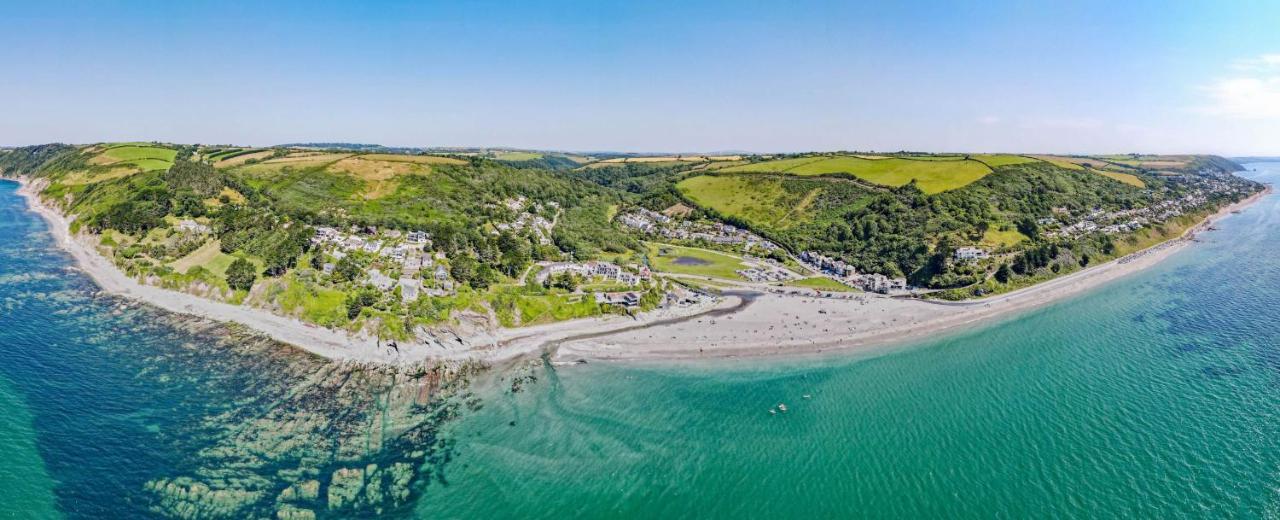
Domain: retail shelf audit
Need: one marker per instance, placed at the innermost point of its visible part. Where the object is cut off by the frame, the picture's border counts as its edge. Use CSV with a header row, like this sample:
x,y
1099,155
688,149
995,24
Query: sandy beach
x,y
738,325
775,324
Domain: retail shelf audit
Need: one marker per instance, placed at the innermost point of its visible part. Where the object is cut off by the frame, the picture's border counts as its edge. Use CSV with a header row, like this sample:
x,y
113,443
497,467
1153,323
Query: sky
x,y
687,76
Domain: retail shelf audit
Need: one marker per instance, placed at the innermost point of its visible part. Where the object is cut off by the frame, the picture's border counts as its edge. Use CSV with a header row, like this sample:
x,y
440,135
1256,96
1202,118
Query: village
x,y
654,223
400,259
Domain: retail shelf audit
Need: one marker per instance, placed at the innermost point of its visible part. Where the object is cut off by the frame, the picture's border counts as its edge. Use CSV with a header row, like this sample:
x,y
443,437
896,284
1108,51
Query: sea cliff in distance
x,y
382,255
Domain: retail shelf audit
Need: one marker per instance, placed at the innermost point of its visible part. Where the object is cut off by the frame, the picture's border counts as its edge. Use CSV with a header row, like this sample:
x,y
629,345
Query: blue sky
x,y
650,76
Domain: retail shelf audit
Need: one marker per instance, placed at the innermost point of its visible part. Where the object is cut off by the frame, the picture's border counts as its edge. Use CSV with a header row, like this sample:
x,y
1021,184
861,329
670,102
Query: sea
x,y
1155,396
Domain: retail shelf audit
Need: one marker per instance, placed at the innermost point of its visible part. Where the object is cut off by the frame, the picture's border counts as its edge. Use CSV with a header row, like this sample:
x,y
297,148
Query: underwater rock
x,y
288,512
345,486
185,498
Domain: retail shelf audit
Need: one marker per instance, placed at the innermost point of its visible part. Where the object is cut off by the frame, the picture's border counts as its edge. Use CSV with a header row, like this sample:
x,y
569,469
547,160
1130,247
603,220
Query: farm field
x,y
1126,178
775,166
668,258
998,160
517,156
143,157
761,200
932,174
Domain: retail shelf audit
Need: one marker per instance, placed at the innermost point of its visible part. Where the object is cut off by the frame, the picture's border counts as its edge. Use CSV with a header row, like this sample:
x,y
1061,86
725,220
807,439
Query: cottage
x,y
410,288
625,299
970,253
191,226
417,237
379,280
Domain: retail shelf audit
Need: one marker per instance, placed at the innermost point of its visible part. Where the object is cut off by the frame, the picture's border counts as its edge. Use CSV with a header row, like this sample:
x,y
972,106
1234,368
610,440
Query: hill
x,y
366,237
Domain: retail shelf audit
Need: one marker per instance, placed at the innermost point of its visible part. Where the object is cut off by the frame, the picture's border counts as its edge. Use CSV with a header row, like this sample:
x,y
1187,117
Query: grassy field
x,y
145,158
1061,162
998,160
210,257
995,239
1126,178
517,156
775,166
821,283
688,260
758,199
314,304
932,174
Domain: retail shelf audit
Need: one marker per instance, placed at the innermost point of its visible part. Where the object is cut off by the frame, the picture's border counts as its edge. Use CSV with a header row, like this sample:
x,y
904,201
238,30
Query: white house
x,y
410,288
971,253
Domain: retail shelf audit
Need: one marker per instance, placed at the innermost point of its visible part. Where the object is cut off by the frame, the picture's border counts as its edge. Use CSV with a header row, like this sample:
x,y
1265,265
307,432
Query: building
x,y
971,253
626,299
410,288
192,226
379,280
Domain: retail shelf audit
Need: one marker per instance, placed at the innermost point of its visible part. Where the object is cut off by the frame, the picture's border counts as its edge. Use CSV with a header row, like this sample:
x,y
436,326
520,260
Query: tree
x,y
1003,274
358,301
346,269
241,274
1028,227
463,268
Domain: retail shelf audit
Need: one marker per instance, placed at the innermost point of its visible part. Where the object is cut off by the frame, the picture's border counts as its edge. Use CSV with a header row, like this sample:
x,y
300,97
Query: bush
x,y
241,274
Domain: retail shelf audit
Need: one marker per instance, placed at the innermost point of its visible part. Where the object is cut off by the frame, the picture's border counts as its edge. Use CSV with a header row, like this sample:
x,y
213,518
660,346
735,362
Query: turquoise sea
x,y
1157,396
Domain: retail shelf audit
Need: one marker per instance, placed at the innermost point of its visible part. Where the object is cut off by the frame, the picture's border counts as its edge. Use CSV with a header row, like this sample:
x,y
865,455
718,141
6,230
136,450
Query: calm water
x,y
1155,397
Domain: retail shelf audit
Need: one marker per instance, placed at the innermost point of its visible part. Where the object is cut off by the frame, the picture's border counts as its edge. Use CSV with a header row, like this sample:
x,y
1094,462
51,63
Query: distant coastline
x,y
768,325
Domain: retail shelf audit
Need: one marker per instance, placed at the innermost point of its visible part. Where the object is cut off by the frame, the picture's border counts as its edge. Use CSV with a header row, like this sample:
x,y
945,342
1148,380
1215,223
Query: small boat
x,y
773,412
807,396
782,408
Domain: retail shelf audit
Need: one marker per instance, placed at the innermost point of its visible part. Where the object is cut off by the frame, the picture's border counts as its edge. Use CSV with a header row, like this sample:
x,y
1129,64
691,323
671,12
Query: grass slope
x,y
932,174
765,200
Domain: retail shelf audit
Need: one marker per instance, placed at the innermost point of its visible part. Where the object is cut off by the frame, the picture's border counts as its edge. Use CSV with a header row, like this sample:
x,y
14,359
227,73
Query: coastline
x,y
757,325
780,325
482,345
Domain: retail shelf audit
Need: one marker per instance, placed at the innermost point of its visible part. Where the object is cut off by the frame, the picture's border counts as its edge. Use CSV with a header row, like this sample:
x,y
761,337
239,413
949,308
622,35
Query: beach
x,y
774,324
738,325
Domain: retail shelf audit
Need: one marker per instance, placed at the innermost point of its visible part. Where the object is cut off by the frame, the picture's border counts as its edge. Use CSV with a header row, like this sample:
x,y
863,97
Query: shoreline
x,y
812,326
490,346
741,325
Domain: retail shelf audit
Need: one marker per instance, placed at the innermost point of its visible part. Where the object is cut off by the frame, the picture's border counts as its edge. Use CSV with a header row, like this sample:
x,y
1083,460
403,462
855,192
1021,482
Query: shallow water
x,y
1156,396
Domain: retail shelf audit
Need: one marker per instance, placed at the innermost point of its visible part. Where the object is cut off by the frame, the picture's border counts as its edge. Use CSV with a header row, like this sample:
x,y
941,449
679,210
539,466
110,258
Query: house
x,y
625,299
373,246
327,268
325,234
353,243
379,280
191,226
561,267
410,288
417,237
971,253
441,274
